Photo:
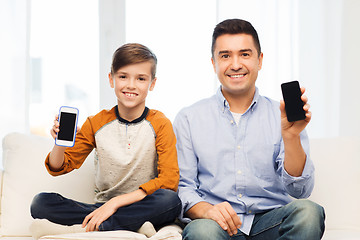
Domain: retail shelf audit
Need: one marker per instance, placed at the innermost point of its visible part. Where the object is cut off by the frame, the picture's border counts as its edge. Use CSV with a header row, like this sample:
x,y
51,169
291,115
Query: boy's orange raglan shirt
x,y
128,155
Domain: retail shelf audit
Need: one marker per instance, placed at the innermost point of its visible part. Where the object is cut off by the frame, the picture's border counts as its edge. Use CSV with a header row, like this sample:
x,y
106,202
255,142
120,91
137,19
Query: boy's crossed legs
x,y
159,208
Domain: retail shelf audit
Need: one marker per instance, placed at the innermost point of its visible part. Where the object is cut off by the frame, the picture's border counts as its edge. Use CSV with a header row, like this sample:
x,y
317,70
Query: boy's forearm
x,y
56,158
129,198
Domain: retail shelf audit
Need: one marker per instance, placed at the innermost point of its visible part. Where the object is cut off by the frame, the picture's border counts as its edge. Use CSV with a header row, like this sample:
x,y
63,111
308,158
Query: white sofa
x,y
24,175
337,164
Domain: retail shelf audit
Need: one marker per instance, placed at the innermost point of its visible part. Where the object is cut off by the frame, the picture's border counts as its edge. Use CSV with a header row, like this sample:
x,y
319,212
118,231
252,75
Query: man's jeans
x,y
159,208
299,220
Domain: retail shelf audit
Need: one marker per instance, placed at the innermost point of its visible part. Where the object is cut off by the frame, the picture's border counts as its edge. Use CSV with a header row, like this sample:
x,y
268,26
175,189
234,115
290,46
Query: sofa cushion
x,y
25,175
337,179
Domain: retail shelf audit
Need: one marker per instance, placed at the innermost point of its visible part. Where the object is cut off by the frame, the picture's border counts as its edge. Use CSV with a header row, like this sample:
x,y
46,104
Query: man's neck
x,y
239,103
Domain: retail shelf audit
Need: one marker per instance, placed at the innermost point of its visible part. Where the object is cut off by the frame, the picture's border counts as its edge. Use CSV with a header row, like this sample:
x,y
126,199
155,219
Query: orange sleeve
x,y
75,156
168,169
84,143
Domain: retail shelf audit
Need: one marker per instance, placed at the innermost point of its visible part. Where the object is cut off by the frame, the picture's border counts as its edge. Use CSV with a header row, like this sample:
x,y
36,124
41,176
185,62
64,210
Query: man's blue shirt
x,y
242,163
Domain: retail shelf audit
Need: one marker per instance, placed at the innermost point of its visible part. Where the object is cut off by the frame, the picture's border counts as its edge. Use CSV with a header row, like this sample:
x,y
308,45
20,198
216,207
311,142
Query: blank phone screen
x,y
293,103
67,126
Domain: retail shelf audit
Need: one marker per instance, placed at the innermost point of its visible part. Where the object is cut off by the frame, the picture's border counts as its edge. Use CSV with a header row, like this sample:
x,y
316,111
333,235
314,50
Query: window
x,y
64,60
180,37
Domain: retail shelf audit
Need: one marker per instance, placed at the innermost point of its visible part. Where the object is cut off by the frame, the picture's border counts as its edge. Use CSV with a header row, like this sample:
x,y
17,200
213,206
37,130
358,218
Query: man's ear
x,y
152,84
260,60
213,63
111,80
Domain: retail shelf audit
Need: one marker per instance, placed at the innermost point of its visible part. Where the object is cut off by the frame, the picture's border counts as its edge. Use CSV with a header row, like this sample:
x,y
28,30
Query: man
x,y
240,159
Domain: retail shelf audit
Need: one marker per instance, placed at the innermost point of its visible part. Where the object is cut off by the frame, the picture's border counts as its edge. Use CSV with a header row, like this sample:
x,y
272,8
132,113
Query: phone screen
x,y
293,103
67,126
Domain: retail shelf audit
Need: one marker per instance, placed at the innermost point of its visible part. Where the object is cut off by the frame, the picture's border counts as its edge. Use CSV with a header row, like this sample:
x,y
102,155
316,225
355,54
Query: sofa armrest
x,y
25,175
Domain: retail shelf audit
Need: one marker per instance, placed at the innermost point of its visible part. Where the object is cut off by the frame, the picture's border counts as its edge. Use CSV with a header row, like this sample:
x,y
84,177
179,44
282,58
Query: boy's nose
x,y
131,83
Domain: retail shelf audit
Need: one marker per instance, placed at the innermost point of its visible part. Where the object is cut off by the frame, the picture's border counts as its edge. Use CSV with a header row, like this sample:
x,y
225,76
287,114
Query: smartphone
x,y
293,104
68,117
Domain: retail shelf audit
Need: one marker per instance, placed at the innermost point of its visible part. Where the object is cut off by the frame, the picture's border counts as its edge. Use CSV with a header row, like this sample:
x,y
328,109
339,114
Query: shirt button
x,y
240,195
250,211
238,147
239,172
232,122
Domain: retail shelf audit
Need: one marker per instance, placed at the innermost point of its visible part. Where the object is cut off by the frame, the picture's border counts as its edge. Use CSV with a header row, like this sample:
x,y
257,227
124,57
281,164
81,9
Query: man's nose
x,y
236,64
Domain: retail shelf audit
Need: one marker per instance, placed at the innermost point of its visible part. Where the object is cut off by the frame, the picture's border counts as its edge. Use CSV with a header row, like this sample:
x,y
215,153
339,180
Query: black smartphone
x,y
68,117
293,104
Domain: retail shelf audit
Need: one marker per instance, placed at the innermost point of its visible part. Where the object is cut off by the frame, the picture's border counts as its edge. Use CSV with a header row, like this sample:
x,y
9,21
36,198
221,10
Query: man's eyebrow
x,y
246,50
224,51
241,51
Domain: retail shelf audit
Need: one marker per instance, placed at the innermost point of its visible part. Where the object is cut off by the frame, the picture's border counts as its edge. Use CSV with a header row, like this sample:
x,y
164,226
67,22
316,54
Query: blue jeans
x,y
160,208
300,220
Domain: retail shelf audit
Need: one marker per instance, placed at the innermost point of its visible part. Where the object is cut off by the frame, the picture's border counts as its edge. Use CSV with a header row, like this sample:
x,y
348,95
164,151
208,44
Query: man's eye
x,y
246,54
225,56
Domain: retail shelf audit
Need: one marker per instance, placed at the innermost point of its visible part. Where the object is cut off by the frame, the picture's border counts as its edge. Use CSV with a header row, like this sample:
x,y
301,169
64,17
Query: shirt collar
x,y
139,119
224,104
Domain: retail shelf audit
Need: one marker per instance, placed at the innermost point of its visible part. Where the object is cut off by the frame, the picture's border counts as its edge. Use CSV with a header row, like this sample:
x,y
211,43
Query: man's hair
x,y
132,53
235,26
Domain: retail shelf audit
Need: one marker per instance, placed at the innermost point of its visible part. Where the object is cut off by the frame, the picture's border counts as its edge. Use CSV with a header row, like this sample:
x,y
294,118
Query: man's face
x,y
236,63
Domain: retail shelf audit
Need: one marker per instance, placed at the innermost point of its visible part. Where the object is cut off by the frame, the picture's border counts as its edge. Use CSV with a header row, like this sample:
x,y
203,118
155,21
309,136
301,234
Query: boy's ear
x,y
152,84
111,80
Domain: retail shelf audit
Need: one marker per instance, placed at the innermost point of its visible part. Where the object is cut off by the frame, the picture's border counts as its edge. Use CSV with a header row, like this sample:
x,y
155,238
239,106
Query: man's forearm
x,y
198,210
295,156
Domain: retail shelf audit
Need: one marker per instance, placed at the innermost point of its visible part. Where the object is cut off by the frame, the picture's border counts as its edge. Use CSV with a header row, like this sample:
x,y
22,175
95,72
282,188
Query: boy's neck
x,y
130,115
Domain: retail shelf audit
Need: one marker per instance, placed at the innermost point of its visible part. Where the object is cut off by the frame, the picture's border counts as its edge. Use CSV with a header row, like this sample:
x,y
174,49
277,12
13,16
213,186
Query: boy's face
x,y
131,84
236,63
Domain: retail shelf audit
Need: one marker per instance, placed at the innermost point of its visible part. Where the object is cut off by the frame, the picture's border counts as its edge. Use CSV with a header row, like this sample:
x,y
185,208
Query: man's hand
x,y
98,216
222,213
293,129
294,157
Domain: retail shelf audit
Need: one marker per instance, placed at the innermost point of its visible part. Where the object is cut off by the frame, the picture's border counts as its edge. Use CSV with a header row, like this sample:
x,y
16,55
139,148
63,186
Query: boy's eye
x,y
142,79
246,54
122,76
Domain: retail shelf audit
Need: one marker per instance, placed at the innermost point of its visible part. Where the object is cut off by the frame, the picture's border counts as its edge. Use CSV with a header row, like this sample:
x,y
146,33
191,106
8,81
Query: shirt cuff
x,y
300,186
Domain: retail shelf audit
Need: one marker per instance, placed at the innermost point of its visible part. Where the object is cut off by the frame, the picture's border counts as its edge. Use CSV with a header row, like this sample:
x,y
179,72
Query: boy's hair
x,y
235,26
132,53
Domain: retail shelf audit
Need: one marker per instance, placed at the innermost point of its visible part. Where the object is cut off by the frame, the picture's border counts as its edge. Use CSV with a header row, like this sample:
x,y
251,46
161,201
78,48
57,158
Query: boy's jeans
x,y
159,208
299,220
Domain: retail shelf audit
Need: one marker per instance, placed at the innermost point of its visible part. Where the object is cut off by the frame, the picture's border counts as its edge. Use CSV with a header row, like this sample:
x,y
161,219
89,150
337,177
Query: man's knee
x,y
201,229
308,217
309,210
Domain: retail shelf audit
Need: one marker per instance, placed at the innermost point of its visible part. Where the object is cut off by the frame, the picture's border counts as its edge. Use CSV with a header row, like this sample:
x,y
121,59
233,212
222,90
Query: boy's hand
x,y
55,129
98,216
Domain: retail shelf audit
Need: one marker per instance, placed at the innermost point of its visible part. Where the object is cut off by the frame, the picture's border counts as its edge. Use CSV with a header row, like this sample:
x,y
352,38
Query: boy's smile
x,y
131,84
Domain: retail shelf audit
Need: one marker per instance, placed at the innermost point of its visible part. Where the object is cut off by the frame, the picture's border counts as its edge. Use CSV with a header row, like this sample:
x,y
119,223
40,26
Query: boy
x,y
136,171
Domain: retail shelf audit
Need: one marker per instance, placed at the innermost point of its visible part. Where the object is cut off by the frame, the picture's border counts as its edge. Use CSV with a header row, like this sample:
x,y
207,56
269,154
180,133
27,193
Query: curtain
x,y
14,64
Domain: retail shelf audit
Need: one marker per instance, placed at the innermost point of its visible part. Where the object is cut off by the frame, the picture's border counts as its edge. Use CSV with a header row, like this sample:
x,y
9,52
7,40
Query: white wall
x,y
349,69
